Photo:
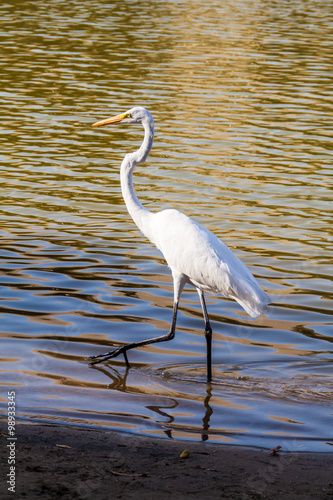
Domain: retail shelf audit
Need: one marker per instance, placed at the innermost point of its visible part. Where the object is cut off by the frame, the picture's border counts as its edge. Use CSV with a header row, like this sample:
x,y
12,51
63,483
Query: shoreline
x,y
53,462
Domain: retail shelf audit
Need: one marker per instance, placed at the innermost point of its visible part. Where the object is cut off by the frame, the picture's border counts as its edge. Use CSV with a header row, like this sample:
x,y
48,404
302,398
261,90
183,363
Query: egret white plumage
x,y
194,254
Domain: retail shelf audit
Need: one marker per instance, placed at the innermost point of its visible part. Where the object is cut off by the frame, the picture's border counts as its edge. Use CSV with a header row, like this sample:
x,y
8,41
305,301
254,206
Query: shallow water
x,y
242,100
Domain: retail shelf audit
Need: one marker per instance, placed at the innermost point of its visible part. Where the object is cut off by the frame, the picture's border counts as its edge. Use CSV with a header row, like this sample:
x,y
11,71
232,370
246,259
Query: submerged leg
x,y
179,282
208,335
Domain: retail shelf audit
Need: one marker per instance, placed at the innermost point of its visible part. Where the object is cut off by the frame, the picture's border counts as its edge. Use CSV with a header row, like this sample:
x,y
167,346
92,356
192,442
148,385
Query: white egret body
x,y
194,254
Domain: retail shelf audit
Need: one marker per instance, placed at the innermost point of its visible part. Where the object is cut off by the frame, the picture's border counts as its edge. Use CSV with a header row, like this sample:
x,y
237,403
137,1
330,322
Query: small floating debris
x,y
275,450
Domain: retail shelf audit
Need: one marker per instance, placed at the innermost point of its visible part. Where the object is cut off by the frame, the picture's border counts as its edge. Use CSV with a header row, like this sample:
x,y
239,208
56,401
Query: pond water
x,y
241,93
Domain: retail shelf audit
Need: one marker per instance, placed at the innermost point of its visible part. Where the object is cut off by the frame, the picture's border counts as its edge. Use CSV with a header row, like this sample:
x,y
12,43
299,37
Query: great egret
x,y
194,254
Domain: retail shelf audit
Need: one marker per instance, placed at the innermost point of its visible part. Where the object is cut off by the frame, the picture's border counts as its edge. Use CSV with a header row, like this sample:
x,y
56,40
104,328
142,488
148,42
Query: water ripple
x,y
241,93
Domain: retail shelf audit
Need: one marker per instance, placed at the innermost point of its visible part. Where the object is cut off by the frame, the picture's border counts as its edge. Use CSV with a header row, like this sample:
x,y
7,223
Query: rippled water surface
x,y
241,93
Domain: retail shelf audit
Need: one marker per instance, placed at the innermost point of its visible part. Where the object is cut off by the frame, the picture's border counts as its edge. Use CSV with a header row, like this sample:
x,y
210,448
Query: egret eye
x,y
128,115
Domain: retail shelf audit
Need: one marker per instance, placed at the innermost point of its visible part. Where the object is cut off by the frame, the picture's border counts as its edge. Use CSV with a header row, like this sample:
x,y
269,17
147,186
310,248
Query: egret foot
x,y
109,355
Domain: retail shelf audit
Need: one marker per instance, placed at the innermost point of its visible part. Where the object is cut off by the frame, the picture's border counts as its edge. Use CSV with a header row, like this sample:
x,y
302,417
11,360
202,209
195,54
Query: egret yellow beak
x,y
112,120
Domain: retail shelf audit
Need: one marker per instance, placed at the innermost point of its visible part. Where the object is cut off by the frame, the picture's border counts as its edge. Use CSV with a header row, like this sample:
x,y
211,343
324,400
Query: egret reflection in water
x,y
163,413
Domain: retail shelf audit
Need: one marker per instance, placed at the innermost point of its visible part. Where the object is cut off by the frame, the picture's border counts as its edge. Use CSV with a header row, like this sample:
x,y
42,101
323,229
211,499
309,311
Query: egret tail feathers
x,y
250,296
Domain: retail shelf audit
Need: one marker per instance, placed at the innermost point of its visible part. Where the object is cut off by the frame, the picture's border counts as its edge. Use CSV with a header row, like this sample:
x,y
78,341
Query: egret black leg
x,y
208,335
123,350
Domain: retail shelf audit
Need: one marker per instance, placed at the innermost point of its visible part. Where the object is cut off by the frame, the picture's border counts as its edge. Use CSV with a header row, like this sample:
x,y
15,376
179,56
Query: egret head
x,y
134,115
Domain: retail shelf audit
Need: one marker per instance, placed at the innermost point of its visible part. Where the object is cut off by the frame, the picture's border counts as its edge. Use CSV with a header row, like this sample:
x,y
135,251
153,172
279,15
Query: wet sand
x,y
54,462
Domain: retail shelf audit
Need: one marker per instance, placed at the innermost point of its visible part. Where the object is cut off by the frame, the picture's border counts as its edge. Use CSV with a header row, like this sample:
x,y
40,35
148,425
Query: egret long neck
x,y
137,211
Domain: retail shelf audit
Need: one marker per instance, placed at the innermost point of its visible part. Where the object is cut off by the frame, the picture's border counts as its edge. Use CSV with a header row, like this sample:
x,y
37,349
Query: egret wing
x,y
206,261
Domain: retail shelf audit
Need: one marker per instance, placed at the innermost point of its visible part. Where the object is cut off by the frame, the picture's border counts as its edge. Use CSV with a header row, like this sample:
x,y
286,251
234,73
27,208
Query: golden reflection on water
x,y
241,94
